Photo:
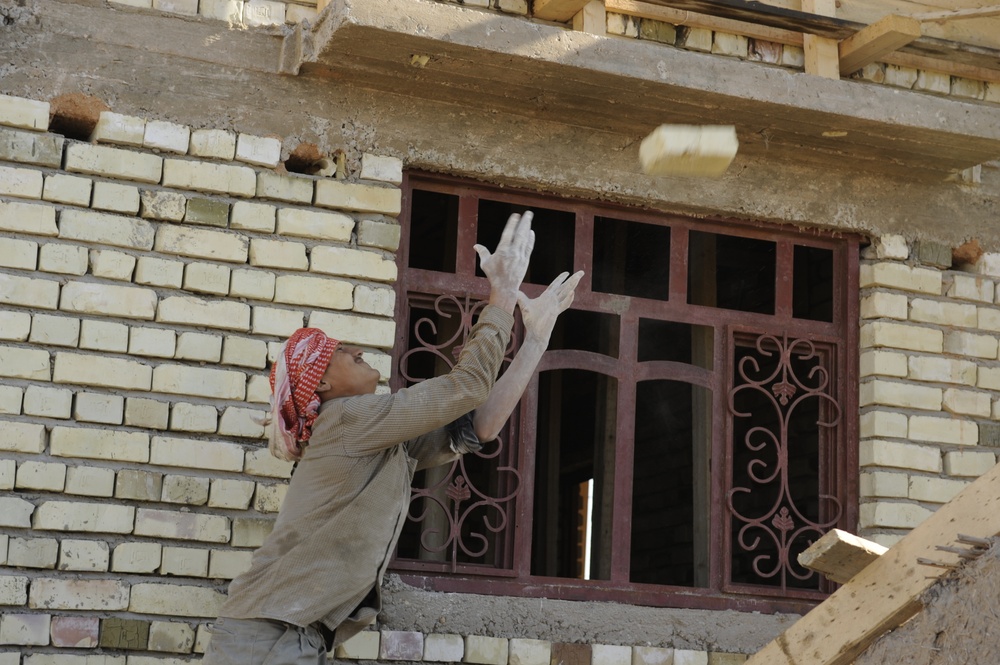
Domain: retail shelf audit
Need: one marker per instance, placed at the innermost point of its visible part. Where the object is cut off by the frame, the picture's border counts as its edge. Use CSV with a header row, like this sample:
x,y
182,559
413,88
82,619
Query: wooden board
x,y
557,10
821,53
874,42
888,591
840,555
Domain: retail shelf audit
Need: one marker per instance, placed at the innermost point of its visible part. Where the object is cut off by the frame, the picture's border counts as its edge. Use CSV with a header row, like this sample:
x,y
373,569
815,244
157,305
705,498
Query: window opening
x,y
676,342
554,233
812,296
731,272
433,230
631,258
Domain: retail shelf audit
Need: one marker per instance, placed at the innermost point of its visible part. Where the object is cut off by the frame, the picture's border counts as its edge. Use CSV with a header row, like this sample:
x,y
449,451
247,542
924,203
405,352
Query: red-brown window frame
x,y
842,332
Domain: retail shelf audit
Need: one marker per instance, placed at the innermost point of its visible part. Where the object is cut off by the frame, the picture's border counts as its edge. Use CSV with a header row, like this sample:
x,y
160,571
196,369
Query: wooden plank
x,y
872,43
957,14
840,555
887,592
695,20
593,18
557,10
822,57
944,66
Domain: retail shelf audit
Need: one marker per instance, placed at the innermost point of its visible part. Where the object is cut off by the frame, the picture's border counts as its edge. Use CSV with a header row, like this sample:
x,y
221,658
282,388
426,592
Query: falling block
x,y
689,150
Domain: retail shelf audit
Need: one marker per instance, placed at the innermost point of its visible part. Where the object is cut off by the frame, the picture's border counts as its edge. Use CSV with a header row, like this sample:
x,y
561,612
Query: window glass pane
x,y
631,258
554,233
586,331
670,482
574,444
433,230
731,272
812,284
677,342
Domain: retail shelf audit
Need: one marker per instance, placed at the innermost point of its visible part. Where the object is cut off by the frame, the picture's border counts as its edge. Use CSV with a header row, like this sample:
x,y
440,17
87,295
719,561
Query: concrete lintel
x,y
505,63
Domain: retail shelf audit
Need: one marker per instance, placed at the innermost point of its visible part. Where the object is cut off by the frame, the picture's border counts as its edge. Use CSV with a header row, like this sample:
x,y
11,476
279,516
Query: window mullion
x,y
624,449
468,222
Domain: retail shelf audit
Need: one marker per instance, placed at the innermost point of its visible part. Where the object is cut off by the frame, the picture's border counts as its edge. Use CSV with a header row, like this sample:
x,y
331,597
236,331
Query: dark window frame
x,y
839,336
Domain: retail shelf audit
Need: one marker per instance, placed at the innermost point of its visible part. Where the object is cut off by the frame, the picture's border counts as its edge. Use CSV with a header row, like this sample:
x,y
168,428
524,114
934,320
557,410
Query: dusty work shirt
x,y
347,499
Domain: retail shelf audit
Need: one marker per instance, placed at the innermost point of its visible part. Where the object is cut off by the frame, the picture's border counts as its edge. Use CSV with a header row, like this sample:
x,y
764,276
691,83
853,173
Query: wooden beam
x,y
872,43
695,20
941,17
840,555
593,18
557,10
821,53
888,591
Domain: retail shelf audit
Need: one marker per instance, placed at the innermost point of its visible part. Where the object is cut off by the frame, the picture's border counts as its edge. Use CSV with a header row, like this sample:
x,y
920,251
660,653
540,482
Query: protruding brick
x,y
383,169
902,277
968,463
112,265
352,263
203,382
113,162
115,198
967,402
184,562
284,187
102,371
943,313
213,143
117,128
24,113
105,229
88,517
900,455
166,136
247,216
967,287
72,190
28,292
167,206
189,453
88,555
181,526
39,220
206,177
258,150
22,183
202,244
106,444
318,225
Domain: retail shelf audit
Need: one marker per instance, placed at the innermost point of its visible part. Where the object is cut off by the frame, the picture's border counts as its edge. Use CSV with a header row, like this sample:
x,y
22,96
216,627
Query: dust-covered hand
x,y
540,313
505,267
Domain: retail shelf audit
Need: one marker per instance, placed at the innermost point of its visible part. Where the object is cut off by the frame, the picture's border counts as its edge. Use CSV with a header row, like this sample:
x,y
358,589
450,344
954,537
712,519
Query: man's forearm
x,y
489,418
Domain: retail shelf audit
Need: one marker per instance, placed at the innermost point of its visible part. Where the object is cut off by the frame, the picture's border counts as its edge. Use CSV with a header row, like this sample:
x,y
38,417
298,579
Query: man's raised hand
x,y
505,267
540,313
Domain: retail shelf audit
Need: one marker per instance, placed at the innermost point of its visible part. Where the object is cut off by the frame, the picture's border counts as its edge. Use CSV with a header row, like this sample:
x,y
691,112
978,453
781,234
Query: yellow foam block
x,y
689,150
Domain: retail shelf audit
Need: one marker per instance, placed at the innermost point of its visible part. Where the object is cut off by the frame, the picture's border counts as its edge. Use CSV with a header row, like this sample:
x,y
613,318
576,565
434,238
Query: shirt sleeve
x,y
374,422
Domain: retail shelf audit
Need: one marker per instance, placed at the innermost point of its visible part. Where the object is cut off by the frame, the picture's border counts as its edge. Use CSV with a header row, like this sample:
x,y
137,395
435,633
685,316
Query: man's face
x,y
348,374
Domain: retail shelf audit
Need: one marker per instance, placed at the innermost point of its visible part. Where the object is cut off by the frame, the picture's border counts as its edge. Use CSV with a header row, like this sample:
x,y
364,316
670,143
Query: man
x,y
316,580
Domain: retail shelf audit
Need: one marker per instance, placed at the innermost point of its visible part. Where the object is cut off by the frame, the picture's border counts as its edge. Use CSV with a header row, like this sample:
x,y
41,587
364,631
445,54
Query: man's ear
x,y
323,386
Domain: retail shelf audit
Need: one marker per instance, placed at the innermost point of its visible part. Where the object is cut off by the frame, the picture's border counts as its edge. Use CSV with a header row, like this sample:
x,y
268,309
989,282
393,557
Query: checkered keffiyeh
x,y
295,376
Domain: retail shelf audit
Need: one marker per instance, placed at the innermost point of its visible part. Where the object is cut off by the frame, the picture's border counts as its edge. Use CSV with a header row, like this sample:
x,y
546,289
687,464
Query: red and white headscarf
x,y
295,376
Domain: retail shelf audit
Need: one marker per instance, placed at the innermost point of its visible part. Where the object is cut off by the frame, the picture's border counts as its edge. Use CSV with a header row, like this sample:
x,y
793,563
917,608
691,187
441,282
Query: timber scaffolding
x,y
834,46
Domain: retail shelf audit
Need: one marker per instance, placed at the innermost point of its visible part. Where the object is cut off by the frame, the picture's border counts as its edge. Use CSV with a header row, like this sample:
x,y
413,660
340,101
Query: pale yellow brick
x,y
18,363
883,423
112,265
44,476
970,344
652,656
20,437
25,629
373,300
610,654
170,637
902,77
68,594
157,204
22,183
31,148
15,326
68,189
902,277
268,498
153,342
312,224
446,648
362,646
381,168
55,330
725,43
485,650
199,346
690,657
264,12
968,463
227,315
206,177
203,382
628,26
13,591
105,229
352,263
149,413
989,319
16,512
64,259
943,430
244,352
10,400
238,421
258,150
104,336
176,600
253,284
944,370
102,371
190,490
84,555
280,322
214,143
227,564
378,234
284,187
258,390
355,329
109,300
33,552
24,113
215,455
278,254
115,198
247,216
47,402
892,515
966,402
207,278
90,481
113,162
202,638
967,287
885,484
899,455
99,408
8,469
136,557
904,395
118,128
185,417
104,444
28,292
166,136
227,493
181,526
89,517
299,14
901,336
39,220
934,490
159,272
202,244
988,378
20,254
314,292
260,462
